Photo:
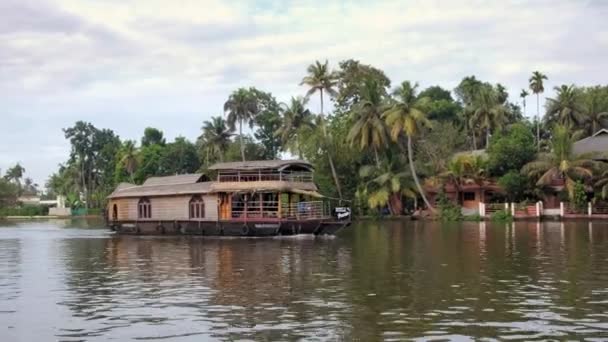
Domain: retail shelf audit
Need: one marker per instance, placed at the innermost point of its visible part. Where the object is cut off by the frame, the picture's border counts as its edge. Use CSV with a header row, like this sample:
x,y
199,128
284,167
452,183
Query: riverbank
x,y
46,217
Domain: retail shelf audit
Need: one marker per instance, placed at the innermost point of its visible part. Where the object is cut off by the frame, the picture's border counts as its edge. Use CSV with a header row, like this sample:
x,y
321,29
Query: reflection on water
x,y
66,280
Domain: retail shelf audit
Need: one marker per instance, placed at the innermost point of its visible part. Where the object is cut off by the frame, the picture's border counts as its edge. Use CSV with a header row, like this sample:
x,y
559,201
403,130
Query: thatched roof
x,y
162,190
597,143
260,164
190,178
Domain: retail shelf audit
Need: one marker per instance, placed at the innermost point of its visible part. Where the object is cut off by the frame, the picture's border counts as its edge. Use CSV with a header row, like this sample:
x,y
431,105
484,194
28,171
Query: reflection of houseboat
x,y
245,199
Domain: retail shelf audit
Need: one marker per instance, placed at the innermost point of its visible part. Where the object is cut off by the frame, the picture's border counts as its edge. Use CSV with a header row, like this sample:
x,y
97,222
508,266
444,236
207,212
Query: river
x,y
390,280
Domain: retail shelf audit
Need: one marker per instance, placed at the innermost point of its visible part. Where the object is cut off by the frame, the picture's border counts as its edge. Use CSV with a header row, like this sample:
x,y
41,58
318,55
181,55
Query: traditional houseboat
x,y
253,198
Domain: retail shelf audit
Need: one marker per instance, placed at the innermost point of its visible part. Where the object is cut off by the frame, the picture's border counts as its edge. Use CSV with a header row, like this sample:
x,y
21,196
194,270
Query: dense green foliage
x,y
377,145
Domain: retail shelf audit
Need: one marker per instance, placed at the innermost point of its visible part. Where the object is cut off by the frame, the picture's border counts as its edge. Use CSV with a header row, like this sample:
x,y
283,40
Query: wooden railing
x,y
255,176
304,210
270,210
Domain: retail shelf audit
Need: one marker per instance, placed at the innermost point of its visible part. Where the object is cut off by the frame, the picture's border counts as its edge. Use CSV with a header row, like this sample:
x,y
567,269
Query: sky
x,y
130,64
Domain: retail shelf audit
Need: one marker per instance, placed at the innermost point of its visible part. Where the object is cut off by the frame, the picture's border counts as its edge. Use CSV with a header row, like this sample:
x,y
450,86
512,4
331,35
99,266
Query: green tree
x,y
268,120
386,186
594,108
511,150
561,163
320,78
215,139
369,130
515,184
15,174
152,136
179,157
241,107
350,80
81,137
566,108
536,83
487,112
129,158
405,118
8,193
296,120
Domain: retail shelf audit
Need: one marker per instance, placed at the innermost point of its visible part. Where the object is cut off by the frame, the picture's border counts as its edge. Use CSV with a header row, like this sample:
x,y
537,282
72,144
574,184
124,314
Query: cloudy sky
x,y
128,64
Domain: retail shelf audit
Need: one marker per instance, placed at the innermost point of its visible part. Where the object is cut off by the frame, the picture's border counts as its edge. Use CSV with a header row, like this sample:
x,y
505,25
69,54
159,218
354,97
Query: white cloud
x,y
126,64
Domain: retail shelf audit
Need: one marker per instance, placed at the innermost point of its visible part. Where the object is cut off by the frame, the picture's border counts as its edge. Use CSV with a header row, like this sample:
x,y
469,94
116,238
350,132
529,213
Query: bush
x,y
502,216
26,210
515,185
473,218
579,197
448,211
511,150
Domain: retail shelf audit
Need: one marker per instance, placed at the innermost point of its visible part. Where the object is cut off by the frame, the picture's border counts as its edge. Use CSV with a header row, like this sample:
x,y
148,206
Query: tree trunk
x,y
487,137
396,203
376,157
538,121
413,170
328,150
241,139
474,138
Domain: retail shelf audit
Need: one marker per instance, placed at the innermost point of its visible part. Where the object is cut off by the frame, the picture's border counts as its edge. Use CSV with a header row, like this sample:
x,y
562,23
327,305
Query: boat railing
x,y
255,176
255,210
304,210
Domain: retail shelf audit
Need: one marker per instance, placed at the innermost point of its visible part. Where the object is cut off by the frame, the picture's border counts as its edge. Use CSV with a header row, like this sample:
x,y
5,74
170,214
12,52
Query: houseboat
x,y
252,198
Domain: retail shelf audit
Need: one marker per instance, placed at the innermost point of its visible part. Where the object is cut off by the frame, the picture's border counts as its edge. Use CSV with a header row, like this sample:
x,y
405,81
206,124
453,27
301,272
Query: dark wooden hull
x,y
229,228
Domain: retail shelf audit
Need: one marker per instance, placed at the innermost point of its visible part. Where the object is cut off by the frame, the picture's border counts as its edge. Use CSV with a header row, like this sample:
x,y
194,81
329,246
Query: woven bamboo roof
x,y
162,190
597,143
260,164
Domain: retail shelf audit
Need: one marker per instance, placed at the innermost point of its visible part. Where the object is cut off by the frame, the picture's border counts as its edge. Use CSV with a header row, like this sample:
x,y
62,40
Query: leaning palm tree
x,y
386,186
320,78
129,158
523,96
487,112
241,107
566,108
296,119
405,117
216,138
537,87
561,162
369,130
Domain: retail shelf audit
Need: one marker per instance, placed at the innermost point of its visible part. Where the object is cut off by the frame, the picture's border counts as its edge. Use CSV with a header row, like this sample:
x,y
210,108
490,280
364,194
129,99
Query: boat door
x,y
225,206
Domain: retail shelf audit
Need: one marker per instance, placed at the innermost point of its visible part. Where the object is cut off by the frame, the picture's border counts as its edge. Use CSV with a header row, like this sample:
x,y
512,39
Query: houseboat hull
x,y
229,228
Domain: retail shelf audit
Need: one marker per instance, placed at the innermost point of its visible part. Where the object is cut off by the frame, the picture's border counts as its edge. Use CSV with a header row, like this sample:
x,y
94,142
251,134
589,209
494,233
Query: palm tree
x,y
537,87
241,107
566,108
296,119
405,117
321,79
561,162
523,96
465,169
369,130
130,158
15,173
386,187
216,137
487,111
595,109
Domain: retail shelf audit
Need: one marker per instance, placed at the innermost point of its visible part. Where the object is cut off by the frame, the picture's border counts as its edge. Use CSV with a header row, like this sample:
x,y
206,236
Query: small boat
x,y
252,198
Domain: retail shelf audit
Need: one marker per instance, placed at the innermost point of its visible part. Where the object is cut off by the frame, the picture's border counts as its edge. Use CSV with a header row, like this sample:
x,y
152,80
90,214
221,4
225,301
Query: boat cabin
x,y
248,195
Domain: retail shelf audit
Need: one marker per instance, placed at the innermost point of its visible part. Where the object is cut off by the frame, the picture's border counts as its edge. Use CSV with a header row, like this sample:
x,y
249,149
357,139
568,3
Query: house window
x,y
469,196
197,207
144,209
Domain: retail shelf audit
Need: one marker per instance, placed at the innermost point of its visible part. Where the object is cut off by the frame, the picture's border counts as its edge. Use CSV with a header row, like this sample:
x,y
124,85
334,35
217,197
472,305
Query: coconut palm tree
x,y
320,78
595,109
216,138
386,186
523,96
296,119
561,162
15,174
566,108
487,112
405,117
369,130
465,169
130,158
241,107
537,86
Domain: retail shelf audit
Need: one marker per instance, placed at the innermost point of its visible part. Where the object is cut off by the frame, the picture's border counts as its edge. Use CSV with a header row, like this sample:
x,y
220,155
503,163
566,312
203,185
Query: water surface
x,y
71,281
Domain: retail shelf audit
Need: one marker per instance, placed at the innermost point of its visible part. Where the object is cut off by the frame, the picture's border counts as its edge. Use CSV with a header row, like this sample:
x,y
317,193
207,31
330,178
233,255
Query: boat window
x,y
144,209
197,207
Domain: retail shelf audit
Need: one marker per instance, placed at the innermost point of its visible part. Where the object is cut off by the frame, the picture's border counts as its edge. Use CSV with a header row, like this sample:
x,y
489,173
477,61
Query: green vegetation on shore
x,y
370,141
